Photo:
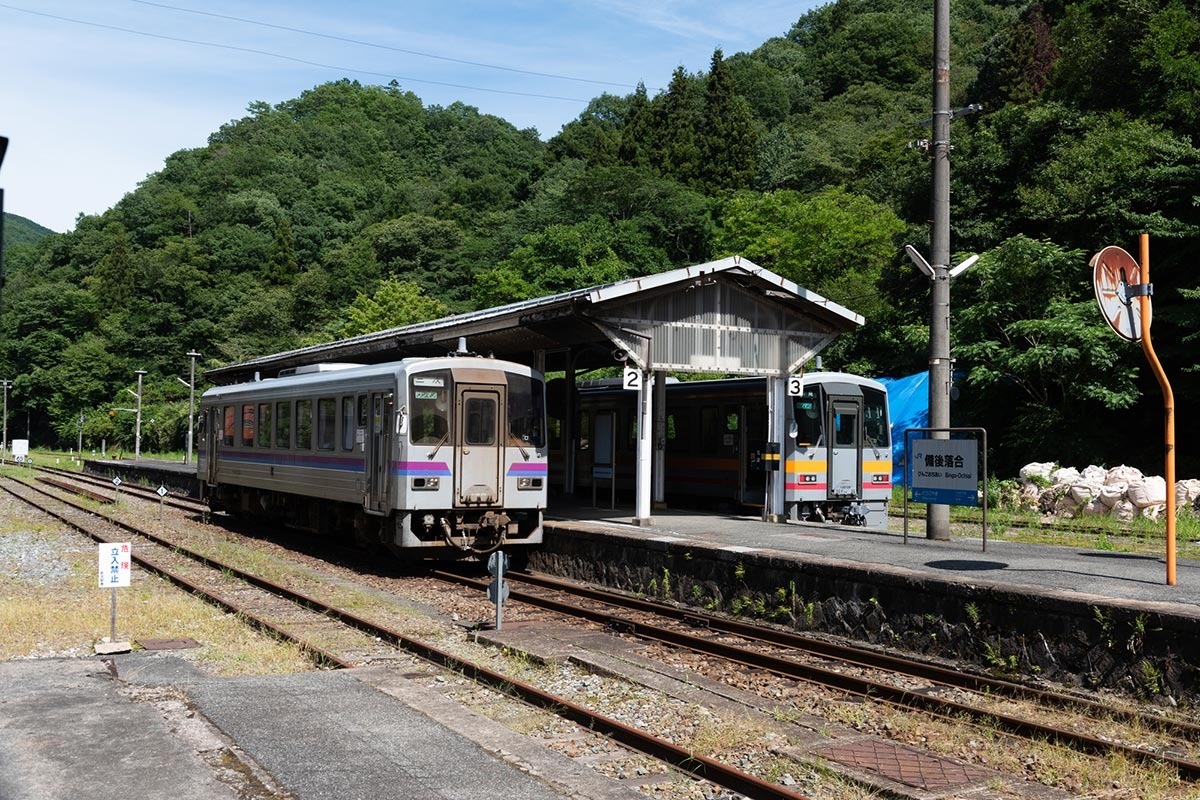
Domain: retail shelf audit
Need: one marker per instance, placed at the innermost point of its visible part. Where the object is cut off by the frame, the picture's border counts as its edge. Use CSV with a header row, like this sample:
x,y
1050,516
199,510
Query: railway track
x,y
322,630
866,673
930,689
107,490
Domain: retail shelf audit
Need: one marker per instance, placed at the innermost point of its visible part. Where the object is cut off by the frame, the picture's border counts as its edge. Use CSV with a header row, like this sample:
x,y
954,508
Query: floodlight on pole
x,y
191,405
963,267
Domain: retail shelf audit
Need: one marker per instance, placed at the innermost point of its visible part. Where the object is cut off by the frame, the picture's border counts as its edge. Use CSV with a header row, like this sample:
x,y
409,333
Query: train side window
x,y
283,423
429,419
526,410
348,419
326,423
845,426
679,433
247,425
264,425
875,424
807,412
227,423
304,424
710,432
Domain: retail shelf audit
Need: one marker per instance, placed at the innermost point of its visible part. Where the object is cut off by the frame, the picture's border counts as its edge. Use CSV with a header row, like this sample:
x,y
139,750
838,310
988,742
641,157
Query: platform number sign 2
x,y
795,385
632,379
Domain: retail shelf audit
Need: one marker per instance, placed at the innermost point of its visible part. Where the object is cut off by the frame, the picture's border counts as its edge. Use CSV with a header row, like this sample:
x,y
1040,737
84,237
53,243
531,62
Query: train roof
x,y
341,373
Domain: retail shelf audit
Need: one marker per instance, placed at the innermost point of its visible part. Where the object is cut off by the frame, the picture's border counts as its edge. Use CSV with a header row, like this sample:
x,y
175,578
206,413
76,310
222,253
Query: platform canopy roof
x,y
728,316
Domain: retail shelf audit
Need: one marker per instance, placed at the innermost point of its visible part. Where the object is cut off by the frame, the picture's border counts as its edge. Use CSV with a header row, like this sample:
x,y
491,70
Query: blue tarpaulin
x,y
908,402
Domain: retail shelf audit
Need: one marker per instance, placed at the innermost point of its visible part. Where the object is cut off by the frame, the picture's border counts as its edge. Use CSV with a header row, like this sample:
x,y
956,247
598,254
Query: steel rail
x,y
862,687
681,758
145,492
318,655
865,657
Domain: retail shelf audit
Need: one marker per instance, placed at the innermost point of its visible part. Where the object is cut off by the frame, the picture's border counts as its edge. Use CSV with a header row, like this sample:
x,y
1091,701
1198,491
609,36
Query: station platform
x,y
152,726
1037,567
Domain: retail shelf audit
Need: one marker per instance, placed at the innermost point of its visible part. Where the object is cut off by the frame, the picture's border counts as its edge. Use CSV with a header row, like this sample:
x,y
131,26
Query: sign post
x,y
115,562
1123,291
498,589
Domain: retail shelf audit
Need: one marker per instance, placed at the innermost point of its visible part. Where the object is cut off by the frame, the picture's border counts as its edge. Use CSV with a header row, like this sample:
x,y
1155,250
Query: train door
x,y
753,435
379,452
478,479
845,447
212,438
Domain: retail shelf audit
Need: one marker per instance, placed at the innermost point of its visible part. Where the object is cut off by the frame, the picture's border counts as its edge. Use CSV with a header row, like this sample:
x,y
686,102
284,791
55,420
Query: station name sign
x,y
945,471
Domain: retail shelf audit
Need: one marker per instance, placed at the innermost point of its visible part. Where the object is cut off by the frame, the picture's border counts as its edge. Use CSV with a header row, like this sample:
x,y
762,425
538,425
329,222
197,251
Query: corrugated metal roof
x,y
576,319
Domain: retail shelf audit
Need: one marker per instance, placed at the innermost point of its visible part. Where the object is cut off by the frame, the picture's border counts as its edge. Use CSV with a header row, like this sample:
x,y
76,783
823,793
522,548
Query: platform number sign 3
x,y
795,385
632,379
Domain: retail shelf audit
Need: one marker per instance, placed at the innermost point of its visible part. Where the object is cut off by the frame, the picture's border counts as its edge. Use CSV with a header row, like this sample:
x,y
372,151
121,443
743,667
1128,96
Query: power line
x,y
379,46
293,59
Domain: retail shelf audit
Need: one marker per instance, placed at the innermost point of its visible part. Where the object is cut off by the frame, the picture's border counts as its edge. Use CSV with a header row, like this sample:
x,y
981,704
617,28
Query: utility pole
x,y
137,433
191,399
937,524
3,150
5,383
939,273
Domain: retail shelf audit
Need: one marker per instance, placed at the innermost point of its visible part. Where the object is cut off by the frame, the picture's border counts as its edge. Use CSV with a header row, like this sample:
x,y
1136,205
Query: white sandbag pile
x,y
1121,491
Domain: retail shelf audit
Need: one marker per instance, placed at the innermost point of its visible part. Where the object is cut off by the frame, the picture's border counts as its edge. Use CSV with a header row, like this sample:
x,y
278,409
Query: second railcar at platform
x,y
432,456
835,459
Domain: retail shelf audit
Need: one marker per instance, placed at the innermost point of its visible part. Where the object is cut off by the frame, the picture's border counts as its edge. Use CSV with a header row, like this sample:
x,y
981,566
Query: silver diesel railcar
x,y
437,456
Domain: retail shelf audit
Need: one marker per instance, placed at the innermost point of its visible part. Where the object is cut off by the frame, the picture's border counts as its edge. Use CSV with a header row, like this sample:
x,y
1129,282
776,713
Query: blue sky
x,y
92,109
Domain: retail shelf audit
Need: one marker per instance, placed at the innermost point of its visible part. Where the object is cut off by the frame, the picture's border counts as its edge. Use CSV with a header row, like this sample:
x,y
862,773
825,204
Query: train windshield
x,y
526,410
875,420
807,411
430,416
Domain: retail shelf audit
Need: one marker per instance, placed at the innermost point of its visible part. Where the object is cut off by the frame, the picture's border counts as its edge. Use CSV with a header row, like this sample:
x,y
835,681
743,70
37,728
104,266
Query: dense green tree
x,y
596,135
832,242
675,141
634,146
426,251
113,281
282,264
394,304
565,257
728,139
1039,360
1017,62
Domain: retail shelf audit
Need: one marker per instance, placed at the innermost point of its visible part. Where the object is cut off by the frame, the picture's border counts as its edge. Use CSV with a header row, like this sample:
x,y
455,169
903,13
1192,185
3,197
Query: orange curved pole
x,y
1168,405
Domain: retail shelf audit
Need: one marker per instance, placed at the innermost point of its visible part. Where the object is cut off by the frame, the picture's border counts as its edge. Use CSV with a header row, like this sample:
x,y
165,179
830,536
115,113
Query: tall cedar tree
x,y
728,139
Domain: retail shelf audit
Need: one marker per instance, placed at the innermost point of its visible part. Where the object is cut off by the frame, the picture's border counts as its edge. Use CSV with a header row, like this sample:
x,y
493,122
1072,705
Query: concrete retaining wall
x,y
1134,648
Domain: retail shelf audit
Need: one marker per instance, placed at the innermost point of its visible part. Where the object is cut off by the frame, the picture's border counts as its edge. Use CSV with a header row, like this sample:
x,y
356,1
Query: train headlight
x,y
426,483
529,483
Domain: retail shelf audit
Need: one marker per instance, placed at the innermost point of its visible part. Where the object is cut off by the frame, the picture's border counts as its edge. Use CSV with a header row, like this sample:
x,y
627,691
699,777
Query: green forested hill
x,y
19,230
354,208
